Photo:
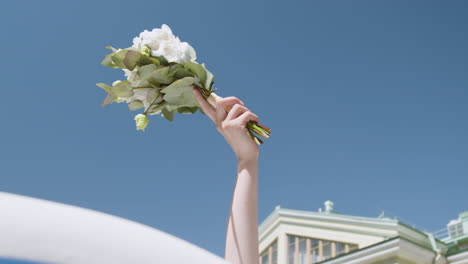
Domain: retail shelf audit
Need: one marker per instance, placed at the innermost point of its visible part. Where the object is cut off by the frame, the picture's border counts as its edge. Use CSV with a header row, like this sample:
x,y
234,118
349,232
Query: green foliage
x,y
104,86
180,93
135,105
108,100
122,89
196,69
118,58
142,84
168,114
155,75
161,76
209,79
157,108
107,61
131,59
187,110
145,60
144,72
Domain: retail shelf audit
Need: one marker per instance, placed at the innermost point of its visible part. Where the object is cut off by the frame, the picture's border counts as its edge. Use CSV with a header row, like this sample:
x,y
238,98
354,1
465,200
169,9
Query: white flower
x,y
141,121
162,42
130,74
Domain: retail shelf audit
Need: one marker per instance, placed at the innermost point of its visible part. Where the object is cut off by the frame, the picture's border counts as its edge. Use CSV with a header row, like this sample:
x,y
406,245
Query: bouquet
x,y
161,73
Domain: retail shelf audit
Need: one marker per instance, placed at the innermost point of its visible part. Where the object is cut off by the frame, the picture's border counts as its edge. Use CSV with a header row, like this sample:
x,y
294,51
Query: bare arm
x,y
242,230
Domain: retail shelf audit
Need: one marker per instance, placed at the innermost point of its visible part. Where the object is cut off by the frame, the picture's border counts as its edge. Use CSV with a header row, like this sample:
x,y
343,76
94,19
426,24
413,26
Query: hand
x,y
231,117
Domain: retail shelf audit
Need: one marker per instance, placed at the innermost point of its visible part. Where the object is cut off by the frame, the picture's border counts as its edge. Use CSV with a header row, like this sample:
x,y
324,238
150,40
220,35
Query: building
x,y
303,237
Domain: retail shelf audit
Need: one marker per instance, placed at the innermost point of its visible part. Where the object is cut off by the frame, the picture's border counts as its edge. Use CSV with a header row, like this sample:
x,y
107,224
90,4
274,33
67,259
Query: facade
x,y
303,237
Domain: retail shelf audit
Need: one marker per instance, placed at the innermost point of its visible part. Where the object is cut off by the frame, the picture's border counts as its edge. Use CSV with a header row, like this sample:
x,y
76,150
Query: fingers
x,y
247,116
222,105
204,105
240,115
227,109
236,111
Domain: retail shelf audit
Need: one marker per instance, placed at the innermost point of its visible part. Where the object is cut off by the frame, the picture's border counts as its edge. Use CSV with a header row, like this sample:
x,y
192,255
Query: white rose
x,y
162,42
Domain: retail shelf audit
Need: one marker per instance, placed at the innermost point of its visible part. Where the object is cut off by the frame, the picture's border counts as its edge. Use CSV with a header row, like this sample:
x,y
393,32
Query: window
x,y
270,255
274,254
304,250
340,248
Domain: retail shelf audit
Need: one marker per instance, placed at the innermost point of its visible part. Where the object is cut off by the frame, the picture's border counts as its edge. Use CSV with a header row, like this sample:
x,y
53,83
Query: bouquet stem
x,y
253,127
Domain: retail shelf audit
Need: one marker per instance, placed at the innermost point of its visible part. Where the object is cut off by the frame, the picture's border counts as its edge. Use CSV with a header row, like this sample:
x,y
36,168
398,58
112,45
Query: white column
x,y
282,248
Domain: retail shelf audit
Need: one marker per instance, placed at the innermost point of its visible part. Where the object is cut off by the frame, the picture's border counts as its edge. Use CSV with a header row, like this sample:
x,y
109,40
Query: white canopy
x,y
49,232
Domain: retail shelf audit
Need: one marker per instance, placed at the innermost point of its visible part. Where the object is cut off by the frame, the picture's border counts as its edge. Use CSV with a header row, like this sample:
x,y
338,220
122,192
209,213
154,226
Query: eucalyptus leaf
x,y
108,100
180,93
182,73
111,48
161,76
173,69
196,69
156,108
144,72
122,89
171,107
155,75
142,84
145,60
135,105
209,78
107,61
187,110
118,58
184,82
162,60
104,86
131,59
169,115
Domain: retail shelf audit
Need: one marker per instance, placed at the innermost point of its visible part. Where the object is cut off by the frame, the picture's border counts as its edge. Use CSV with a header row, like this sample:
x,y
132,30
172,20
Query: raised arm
x,y
242,230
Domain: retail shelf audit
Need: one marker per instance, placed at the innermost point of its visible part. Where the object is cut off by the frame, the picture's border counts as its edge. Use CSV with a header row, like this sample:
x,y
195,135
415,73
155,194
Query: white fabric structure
x,y
49,232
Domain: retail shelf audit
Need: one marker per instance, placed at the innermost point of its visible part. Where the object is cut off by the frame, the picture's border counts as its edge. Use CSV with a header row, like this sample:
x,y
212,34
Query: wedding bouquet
x,y
161,73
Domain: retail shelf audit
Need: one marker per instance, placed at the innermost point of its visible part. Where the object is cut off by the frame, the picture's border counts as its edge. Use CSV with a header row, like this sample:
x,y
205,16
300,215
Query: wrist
x,y
248,161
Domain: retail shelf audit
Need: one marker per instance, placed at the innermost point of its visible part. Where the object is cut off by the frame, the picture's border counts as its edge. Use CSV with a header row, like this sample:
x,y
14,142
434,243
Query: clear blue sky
x,y
367,101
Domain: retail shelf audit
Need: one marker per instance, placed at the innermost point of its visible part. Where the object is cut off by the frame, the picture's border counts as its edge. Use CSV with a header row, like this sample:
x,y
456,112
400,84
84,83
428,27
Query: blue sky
x,y
367,101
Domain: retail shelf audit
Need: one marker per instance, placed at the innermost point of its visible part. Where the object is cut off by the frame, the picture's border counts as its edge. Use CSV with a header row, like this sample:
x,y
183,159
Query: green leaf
x,y
108,100
104,86
162,60
156,109
131,59
135,105
122,89
145,60
196,69
184,82
155,75
142,84
187,110
169,115
107,61
111,48
162,76
144,72
118,58
177,71
209,79
180,93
